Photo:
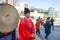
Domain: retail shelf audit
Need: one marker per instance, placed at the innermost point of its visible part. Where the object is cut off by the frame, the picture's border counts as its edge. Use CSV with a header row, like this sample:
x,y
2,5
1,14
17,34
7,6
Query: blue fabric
x,y
1,4
9,37
47,27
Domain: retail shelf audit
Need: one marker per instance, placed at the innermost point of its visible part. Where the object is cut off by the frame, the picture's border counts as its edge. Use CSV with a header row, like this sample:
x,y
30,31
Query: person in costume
x,y
26,27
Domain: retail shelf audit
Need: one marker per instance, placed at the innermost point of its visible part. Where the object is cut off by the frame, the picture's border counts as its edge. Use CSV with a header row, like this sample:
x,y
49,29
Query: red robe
x,y
26,29
42,23
37,25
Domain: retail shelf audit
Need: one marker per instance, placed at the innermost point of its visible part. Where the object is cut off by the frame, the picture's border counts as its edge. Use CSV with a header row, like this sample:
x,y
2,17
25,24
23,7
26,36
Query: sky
x,y
43,4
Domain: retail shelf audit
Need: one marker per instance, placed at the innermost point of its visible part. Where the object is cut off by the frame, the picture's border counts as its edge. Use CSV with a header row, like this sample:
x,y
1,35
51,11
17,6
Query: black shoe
x,y
45,37
39,32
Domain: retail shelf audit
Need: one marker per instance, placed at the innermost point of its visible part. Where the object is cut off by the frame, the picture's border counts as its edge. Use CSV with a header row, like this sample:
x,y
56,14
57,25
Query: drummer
x,y
26,27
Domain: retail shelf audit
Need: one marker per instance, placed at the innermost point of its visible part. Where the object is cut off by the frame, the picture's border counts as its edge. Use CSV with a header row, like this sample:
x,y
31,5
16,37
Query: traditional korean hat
x,y
26,10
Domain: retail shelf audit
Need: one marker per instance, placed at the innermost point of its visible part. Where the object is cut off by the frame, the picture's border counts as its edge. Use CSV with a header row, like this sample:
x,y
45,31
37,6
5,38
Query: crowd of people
x,y
49,23
26,26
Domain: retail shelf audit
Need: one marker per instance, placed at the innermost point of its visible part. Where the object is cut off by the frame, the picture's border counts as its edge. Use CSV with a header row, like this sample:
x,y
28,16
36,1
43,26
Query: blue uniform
x,y
47,27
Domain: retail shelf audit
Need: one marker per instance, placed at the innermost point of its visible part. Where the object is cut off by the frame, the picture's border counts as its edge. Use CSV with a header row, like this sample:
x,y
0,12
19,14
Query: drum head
x,y
8,18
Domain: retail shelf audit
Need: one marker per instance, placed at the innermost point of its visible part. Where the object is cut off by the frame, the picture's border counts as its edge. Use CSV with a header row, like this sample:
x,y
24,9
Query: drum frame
x,y
12,33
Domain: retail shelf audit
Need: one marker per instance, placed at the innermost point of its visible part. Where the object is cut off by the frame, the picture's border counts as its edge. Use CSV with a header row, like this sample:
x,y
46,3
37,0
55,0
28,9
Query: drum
x,y
9,18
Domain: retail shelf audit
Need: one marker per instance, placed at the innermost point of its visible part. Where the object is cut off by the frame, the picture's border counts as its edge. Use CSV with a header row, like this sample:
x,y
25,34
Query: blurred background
x,y
42,8
38,8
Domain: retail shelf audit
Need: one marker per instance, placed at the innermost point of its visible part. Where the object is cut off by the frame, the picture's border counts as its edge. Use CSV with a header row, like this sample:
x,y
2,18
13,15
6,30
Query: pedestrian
x,y
42,22
26,27
39,19
37,26
52,23
47,27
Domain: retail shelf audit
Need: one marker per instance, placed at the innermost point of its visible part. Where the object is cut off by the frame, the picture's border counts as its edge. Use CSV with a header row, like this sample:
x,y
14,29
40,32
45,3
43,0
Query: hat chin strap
x,y
27,17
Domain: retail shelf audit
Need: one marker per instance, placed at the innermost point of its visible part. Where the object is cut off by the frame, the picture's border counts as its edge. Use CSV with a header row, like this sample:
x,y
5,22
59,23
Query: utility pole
x,y
14,2
6,1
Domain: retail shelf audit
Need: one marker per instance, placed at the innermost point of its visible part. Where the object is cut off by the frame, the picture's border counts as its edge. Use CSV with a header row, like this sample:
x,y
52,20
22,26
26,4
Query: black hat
x,y
48,17
26,10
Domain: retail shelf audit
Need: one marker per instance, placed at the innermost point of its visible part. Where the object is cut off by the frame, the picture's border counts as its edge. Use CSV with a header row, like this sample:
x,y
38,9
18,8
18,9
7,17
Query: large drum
x,y
9,18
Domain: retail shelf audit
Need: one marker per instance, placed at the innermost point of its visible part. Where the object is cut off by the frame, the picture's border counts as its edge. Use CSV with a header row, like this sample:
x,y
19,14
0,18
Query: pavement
x,y
37,37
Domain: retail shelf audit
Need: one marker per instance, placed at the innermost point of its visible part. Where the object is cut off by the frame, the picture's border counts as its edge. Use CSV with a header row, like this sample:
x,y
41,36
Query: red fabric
x,y
37,25
5,39
42,23
26,29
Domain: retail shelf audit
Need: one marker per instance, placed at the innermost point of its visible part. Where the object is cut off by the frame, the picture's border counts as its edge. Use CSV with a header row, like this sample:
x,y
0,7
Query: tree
x,y
32,10
50,11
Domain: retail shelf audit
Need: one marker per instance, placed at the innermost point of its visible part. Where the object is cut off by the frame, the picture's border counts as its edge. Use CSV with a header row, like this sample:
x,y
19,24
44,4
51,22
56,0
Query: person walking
x,y
47,27
52,23
37,26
